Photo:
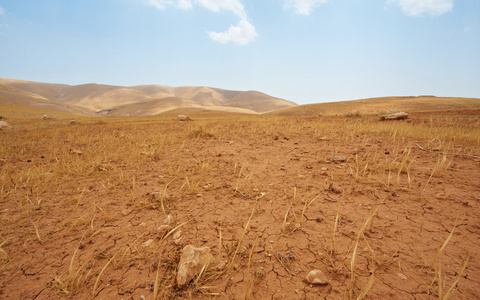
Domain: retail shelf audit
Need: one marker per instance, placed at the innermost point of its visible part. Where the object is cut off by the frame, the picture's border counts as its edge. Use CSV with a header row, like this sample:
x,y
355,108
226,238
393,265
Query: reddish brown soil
x,y
249,176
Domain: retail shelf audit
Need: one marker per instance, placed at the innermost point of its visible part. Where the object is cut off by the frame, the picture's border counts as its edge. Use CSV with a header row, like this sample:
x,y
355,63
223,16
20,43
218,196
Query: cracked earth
x,y
266,196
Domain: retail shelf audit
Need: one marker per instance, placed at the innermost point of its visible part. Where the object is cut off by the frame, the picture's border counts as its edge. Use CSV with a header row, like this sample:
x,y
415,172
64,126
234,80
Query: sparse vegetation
x,y
261,191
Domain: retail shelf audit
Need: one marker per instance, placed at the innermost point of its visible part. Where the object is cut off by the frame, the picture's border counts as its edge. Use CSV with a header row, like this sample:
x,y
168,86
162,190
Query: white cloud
x,y
234,6
420,7
2,10
303,7
241,34
184,4
159,4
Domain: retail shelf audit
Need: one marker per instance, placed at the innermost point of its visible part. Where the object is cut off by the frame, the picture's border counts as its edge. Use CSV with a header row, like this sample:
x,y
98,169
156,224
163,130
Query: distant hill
x,y
142,100
382,105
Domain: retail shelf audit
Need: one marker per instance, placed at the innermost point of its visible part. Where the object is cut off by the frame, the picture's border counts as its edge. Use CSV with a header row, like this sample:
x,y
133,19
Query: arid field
x,y
102,207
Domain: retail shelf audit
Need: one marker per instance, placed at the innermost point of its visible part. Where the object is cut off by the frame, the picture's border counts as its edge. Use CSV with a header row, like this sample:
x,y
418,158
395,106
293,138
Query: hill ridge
x,y
134,100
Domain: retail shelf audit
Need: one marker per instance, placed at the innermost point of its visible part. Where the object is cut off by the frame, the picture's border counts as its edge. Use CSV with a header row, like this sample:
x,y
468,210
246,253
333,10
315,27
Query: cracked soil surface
x,y
79,203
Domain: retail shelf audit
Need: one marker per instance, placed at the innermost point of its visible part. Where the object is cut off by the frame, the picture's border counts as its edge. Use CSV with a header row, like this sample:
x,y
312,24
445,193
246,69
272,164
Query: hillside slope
x,y
88,99
382,105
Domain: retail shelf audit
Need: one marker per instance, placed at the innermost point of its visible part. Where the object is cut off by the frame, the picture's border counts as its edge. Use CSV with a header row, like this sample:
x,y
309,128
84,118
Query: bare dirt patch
x,y
103,208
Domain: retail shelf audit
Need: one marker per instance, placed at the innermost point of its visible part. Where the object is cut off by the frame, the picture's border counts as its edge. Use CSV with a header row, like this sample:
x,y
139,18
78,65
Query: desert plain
x,y
101,207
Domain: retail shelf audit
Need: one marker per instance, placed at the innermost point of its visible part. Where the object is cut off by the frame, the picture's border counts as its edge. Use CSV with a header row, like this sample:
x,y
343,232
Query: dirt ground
x,y
82,207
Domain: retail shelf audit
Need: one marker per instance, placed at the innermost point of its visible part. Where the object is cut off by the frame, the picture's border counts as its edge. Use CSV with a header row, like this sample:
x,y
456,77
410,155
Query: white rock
x,y
148,243
3,124
192,261
395,116
317,277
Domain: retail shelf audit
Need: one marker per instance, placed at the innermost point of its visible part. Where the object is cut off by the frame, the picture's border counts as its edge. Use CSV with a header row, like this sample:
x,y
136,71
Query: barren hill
x,y
382,105
141,100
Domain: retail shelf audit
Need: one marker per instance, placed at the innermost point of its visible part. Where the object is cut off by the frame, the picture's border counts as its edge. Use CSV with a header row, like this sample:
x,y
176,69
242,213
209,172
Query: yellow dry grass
x,y
93,180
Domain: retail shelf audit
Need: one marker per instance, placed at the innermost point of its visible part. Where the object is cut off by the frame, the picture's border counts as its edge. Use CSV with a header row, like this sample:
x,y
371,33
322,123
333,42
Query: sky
x,y
305,51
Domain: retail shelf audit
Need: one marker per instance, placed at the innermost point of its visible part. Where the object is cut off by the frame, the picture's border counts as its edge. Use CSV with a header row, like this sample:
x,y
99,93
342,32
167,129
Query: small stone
x,y
76,151
177,234
169,220
177,238
199,195
324,169
402,276
339,158
319,220
148,243
143,224
317,277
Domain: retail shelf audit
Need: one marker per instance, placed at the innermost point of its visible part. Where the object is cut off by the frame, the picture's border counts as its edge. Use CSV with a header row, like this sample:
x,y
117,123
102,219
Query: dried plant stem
x,y
243,235
38,233
100,274
446,153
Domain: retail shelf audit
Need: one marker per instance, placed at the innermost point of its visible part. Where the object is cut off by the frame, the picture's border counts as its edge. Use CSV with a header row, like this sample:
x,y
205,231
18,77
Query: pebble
x,y
177,237
148,243
317,277
169,220
339,158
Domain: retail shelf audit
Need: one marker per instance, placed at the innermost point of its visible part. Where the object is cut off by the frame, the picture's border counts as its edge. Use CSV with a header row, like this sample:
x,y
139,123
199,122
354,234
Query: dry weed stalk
x,y
354,253
442,295
37,233
100,275
335,225
75,280
245,229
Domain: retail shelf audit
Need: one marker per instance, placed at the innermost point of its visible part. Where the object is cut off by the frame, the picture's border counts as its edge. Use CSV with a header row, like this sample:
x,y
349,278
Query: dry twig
x,y
446,153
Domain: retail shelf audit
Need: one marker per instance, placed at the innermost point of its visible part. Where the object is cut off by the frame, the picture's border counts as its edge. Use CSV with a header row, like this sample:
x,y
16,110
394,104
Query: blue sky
x,y
306,51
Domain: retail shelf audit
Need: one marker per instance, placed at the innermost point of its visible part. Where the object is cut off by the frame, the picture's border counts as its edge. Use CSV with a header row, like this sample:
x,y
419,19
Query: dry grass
x,y
105,188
